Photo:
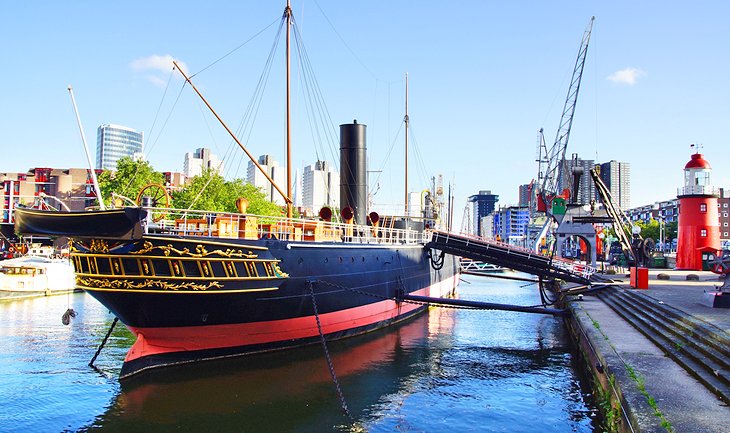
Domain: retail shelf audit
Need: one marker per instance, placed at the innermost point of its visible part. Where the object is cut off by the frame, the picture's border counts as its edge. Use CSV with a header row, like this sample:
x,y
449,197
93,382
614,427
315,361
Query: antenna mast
x,y
405,119
86,150
288,15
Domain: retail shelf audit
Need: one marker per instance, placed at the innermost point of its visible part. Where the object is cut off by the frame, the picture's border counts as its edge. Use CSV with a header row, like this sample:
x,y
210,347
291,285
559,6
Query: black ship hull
x,y
192,298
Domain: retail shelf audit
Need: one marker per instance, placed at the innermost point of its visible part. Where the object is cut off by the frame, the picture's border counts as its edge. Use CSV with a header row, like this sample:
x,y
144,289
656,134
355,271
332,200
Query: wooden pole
x,y
261,169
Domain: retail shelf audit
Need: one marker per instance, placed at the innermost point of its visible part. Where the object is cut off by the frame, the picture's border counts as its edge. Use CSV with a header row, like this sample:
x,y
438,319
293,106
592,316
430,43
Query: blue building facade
x,y
114,142
510,224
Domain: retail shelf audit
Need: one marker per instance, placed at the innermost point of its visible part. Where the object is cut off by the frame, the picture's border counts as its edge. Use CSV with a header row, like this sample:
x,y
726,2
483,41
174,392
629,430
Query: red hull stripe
x,y
154,341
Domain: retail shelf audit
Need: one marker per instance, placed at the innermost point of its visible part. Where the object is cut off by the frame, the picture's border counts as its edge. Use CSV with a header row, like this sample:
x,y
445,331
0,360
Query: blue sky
x,y
484,77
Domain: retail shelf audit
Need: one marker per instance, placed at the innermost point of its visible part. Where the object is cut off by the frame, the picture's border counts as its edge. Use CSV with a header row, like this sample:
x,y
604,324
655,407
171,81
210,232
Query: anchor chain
x,y
331,367
101,346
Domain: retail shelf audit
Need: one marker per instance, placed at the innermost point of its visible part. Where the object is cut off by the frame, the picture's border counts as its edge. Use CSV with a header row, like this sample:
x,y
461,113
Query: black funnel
x,y
353,170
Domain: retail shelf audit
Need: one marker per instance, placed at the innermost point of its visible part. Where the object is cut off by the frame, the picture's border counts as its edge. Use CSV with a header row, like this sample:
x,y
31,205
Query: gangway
x,y
510,256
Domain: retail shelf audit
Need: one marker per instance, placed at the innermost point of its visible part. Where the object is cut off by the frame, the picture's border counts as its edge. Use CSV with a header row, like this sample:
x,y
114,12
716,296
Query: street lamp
x,y
660,215
661,232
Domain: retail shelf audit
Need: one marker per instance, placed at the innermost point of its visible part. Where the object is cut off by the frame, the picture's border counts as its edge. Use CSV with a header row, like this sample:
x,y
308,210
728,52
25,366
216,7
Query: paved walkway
x,y
687,295
671,400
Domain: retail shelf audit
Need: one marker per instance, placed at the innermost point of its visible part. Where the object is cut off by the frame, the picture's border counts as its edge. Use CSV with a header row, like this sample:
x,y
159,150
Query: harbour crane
x,y
550,161
637,250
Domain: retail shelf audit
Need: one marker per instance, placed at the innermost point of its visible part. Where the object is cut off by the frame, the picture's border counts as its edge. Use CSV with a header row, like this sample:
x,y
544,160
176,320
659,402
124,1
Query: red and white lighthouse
x,y
699,225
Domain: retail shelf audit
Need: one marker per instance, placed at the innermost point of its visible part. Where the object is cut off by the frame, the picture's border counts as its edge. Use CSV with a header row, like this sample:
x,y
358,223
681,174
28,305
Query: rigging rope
x,y
167,119
136,171
237,48
343,41
159,107
316,99
420,165
245,127
387,156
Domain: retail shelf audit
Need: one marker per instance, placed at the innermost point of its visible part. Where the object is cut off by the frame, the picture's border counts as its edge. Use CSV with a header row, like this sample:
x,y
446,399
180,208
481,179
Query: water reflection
x,y
450,370
271,392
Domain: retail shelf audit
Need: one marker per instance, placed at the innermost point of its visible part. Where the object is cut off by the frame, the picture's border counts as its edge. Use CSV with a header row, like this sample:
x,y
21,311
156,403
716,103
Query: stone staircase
x,y
699,347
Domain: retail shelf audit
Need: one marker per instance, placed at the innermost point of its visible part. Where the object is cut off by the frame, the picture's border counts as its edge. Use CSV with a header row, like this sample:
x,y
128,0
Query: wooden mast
x,y
288,15
406,134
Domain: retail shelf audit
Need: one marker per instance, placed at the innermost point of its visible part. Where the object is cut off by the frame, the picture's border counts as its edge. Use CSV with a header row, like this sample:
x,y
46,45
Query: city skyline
x,y
653,84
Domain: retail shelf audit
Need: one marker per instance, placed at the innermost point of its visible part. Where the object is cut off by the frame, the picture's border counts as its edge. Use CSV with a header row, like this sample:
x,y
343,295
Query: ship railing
x,y
249,226
574,267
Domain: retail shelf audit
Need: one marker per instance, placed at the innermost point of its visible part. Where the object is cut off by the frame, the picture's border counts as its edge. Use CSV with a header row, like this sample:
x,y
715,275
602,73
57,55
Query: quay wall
x,y
610,378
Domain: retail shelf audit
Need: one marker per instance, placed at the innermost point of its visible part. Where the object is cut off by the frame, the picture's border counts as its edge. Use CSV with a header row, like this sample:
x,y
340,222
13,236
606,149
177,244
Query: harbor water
x,y
445,371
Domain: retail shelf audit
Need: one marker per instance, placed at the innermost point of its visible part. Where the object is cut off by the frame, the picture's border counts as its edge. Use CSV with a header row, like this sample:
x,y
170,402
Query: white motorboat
x,y
35,275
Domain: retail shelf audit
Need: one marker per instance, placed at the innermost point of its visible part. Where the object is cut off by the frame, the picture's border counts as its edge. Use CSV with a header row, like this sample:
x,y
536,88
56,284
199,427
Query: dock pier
x,y
658,358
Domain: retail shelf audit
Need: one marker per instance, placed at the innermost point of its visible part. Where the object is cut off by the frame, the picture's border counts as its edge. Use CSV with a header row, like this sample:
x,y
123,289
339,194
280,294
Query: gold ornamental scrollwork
x,y
98,246
146,284
200,251
277,270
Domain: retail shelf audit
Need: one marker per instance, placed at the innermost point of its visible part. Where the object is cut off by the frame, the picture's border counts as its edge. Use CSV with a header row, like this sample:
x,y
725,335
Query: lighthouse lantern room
x,y
698,237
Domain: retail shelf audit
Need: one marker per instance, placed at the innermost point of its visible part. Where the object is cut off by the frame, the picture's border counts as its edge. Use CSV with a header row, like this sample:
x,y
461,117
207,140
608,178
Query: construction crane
x,y
550,160
637,250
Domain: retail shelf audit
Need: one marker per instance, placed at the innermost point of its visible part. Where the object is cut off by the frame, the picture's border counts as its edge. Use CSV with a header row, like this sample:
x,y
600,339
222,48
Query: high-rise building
x,y
525,193
321,187
297,189
276,173
487,227
114,142
483,204
724,215
617,177
201,159
510,224
586,189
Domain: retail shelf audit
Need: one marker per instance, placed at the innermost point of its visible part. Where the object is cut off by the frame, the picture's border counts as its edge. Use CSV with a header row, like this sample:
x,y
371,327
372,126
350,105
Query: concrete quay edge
x,y
638,387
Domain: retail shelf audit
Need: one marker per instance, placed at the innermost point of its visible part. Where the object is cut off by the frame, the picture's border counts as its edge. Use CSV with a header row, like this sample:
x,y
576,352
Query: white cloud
x,y
157,67
157,81
627,76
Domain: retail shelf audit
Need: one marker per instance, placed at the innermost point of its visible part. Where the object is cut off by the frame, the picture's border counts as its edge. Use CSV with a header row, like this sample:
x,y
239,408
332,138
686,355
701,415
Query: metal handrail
x,y
235,225
698,190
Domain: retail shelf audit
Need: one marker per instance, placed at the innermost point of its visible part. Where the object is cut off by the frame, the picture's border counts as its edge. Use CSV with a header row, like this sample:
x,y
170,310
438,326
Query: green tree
x,y
670,230
210,191
128,179
649,229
